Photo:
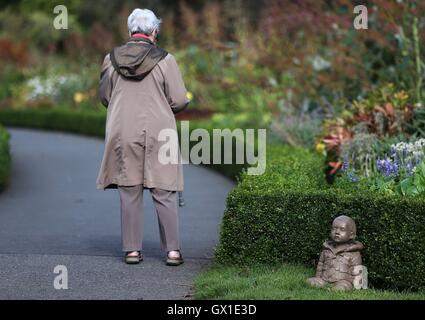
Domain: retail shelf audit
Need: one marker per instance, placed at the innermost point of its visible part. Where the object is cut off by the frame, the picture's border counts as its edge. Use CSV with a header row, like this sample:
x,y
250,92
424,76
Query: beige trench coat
x,y
136,112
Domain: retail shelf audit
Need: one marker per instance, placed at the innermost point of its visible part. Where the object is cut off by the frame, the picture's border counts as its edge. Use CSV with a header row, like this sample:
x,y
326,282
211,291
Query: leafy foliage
x,y
385,112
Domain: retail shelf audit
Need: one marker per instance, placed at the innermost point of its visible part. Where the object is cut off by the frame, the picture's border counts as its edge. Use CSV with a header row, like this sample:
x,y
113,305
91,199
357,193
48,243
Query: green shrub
x,y
285,215
4,158
61,119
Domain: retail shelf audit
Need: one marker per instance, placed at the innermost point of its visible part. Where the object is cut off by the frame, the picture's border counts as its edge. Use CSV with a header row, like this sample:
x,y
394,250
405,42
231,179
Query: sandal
x,y
174,261
133,259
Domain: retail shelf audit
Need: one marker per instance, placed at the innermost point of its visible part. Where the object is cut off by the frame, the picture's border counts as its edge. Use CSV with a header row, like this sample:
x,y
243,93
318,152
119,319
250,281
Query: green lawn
x,y
284,282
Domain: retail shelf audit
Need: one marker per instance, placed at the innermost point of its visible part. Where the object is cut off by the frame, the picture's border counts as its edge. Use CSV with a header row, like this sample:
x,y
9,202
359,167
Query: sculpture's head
x,y
343,229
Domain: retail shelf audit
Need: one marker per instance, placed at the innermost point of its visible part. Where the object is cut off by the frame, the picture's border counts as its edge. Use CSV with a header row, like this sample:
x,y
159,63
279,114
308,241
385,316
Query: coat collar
x,y
345,247
140,37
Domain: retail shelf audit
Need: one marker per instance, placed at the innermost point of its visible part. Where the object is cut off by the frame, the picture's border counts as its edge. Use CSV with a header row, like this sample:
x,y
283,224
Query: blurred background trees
x,y
280,63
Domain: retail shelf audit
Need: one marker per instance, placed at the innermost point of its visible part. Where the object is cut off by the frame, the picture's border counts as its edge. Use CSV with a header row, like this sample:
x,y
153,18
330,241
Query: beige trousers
x,y
165,203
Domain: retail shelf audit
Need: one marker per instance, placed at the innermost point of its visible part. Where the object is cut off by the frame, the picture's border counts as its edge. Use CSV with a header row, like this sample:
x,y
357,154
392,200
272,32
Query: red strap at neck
x,y
140,35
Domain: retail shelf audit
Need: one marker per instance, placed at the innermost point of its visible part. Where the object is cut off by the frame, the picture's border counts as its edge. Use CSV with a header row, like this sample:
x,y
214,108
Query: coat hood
x,y
136,58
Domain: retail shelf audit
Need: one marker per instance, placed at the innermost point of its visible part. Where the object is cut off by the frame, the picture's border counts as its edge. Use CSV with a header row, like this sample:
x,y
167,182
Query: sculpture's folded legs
x,y
316,282
342,285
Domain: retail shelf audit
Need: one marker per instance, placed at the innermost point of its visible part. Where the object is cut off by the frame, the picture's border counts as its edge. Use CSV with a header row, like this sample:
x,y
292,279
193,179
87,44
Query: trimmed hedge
x,y
62,119
4,158
285,215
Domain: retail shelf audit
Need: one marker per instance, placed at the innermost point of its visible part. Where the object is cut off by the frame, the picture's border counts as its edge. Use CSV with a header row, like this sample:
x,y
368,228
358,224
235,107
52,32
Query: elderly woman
x,y
142,88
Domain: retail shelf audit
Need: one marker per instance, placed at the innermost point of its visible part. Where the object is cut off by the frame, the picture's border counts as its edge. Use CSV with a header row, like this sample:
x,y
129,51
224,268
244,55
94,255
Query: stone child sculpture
x,y
340,260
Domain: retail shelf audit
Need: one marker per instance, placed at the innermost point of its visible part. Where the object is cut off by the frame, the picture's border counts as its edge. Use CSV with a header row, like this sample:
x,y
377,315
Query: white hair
x,y
143,21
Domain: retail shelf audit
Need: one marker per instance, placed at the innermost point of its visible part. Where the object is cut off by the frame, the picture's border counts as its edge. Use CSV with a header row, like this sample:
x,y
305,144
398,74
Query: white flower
x,y
418,154
50,86
319,63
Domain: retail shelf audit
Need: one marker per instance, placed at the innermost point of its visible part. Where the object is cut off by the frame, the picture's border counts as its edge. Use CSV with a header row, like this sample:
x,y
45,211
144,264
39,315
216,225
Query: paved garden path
x,y
52,214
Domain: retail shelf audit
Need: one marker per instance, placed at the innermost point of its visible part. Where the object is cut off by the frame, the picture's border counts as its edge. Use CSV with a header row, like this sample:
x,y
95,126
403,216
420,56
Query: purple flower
x,y
410,168
353,178
387,167
404,153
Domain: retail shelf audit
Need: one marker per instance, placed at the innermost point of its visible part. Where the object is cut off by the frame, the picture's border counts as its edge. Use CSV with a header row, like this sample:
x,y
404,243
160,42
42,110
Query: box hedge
x,y
62,119
5,163
285,215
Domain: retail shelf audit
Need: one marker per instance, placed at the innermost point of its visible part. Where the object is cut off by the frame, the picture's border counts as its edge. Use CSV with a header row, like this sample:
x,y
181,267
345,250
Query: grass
x,y
283,282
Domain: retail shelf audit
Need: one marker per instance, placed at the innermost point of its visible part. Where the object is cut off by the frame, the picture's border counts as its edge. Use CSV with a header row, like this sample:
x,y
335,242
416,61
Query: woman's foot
x,y
133,257
174,258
